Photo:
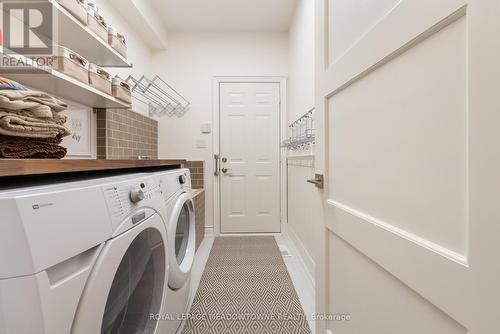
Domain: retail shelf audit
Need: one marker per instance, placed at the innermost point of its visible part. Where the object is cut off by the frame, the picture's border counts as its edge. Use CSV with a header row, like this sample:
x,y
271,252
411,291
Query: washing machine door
x,y
126,287
181,241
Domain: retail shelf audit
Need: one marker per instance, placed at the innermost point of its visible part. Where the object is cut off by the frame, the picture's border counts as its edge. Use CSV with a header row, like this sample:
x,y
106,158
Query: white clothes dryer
x,y
179,213
83,257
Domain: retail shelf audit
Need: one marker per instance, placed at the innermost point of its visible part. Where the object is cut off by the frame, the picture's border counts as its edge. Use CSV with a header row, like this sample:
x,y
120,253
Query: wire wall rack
x,y
302,133
161,98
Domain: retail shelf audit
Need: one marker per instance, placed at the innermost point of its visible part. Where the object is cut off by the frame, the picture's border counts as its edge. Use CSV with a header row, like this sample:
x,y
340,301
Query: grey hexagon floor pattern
x,y
246,289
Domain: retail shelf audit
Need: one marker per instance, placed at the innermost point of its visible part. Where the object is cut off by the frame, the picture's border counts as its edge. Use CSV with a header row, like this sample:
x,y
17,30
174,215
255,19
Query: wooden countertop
x,y
196,192
13,167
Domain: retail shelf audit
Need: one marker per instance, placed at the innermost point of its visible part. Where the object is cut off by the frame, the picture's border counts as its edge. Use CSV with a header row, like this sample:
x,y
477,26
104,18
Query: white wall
x,y
301,60
304,210
190,64
304,200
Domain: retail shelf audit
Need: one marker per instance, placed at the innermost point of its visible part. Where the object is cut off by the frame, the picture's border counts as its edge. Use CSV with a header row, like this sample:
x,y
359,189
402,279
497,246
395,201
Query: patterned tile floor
x,y
246,288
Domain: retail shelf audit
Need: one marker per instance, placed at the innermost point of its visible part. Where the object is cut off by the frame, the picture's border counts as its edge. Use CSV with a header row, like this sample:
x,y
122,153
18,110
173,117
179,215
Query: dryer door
x,y
125,290
181,241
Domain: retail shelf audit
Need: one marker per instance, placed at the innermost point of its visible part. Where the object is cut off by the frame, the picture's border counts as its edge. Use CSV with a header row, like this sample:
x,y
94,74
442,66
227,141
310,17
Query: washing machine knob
x,y
137,195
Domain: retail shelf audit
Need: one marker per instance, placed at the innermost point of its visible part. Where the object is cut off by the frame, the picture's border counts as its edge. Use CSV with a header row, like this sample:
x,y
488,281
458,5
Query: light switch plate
x,y
201,143
206,128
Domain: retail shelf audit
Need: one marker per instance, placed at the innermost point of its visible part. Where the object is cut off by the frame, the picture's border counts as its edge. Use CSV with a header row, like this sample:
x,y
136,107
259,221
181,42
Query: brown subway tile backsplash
x,y
197,173
199,204
124,134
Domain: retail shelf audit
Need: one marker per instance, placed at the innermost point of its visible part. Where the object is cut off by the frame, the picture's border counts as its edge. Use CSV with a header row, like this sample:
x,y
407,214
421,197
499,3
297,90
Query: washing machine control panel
x,y
125,198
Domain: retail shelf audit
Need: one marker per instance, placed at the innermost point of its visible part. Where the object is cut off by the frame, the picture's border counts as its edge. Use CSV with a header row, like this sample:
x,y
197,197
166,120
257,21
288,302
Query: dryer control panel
x,y
172,182
126,198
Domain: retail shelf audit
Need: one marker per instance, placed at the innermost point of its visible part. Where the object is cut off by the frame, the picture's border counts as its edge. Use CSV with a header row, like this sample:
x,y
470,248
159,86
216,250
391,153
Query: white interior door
x,y
408,94
250,157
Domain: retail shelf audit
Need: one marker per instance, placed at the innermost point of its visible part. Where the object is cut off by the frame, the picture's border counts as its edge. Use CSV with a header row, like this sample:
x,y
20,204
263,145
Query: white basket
x,y
121,90
97,24
77,8
100,79
71,63
117,41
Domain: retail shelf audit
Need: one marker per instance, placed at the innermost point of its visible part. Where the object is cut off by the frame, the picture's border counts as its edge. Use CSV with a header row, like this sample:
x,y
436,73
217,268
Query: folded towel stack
x,y
27,148
31,124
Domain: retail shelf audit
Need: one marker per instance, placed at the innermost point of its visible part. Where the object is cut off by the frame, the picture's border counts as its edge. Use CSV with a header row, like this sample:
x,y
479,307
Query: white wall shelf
x,y
79,38
74,35
65,87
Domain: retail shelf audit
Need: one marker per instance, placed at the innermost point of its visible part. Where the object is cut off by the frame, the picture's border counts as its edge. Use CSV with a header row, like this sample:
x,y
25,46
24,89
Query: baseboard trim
x,y
305,256
209,231
250,234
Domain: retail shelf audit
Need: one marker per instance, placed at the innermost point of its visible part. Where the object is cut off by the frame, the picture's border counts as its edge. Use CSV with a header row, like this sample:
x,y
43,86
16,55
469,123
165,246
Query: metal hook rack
x,y
302,133
161,98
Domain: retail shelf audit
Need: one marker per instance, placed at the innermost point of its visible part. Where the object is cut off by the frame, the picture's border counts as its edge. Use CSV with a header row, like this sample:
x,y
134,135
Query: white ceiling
x,y
226,15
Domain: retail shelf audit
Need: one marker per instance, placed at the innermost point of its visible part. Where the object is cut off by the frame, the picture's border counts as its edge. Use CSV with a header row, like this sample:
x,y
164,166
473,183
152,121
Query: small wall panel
x,y
237,144
237,197
264,137
399,150
380,304
264,187
349,20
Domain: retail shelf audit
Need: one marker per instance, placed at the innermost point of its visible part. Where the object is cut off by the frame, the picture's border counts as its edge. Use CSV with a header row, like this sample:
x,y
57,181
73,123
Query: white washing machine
x,y
83,257
180,217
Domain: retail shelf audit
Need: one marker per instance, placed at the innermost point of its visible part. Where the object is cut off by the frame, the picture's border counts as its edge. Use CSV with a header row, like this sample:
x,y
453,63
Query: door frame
x,y
282,81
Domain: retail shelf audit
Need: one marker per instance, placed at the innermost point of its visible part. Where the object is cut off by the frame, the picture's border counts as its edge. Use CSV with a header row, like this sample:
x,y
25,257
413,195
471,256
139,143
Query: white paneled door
x,y
250,157
408,93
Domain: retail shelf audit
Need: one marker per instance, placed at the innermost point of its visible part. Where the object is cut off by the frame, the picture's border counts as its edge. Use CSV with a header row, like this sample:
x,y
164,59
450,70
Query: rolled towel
x,y
29,127
10,84
41,104
27,148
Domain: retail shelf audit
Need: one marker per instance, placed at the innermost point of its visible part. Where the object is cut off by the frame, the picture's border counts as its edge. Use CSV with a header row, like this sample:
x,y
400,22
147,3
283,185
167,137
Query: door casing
x,y
216,140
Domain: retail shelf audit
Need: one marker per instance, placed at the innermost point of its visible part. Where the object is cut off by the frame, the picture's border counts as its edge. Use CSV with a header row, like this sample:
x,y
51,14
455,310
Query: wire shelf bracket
x,y
161,98
302,133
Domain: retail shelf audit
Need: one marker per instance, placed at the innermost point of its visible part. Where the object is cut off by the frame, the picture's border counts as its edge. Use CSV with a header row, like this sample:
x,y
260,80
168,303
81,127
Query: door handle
x,y
318,181
217,167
